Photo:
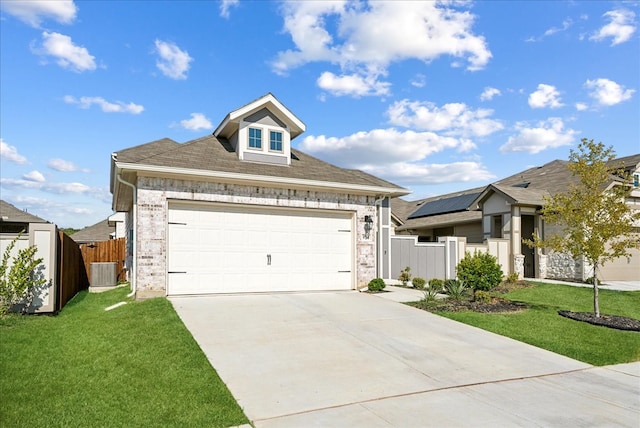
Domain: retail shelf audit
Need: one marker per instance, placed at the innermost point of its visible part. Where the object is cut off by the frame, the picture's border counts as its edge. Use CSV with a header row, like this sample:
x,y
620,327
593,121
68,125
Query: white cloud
x,y
33,12
454,119
225,7
489,93
545,96
544,135
106,106
198,121
62,165
11,154
380,147
620,28
173,61
581,106
407,174
67,54
566,24
419,81
607,92
56,188
352,84
34,176
369,36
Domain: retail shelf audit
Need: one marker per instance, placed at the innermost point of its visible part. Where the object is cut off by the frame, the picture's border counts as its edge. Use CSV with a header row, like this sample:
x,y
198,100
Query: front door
x,y
527,251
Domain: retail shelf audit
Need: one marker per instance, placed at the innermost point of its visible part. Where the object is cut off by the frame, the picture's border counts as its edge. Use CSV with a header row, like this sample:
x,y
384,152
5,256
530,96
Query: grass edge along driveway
x,y
541,326
136,365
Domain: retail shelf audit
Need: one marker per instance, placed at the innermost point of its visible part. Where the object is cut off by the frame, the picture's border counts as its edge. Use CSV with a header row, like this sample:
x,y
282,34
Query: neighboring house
x,y
242,211
112,227
510,209
32,230
444,215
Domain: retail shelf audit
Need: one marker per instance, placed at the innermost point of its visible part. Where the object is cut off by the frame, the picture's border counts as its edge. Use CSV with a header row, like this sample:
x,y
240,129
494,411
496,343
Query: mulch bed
x,y
495,306
611,321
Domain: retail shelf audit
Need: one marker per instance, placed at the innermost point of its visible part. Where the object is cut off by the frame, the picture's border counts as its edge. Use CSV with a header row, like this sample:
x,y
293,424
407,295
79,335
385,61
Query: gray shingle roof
x,y
15,215
210,154
98,232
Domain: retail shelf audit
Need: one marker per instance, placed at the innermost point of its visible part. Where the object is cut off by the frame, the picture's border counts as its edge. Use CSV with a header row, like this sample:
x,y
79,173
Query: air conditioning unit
x,y
104,274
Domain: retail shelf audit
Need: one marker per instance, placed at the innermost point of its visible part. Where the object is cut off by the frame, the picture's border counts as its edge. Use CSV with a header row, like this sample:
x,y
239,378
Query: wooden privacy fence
x,y
113,250
72,276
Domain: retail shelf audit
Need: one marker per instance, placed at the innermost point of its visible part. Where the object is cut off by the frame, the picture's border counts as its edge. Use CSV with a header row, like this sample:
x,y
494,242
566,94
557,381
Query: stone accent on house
x,y
542,265
518,265
564,266
154,194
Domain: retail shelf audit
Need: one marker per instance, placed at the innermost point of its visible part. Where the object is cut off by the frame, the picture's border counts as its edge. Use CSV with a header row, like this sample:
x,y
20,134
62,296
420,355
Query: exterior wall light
x,y
368,225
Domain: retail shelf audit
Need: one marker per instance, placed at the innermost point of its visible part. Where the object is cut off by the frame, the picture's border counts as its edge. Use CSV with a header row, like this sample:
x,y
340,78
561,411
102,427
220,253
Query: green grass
x,y
541,326
136,365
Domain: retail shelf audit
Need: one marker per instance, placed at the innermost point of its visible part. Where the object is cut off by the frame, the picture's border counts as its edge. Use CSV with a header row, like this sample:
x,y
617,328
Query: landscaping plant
x,y
480,271
405,276
432,290
418,282
19,283
376,284
455,288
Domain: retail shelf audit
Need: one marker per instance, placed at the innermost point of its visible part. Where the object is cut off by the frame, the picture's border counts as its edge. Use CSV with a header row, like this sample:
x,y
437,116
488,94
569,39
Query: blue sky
x,y
433,96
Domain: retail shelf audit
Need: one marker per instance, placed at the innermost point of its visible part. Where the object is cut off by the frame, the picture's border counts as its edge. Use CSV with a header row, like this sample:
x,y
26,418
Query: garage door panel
x,y
226,249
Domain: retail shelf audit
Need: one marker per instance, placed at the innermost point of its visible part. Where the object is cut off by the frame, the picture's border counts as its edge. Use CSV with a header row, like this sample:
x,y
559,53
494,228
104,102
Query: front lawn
x,y
541,326
136,365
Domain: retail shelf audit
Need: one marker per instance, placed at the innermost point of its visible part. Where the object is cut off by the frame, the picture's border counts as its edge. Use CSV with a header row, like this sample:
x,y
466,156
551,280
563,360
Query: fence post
x,y
450,255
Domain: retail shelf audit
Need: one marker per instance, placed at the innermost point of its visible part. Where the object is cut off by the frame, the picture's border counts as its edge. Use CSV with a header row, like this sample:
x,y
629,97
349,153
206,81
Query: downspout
x,y
135,235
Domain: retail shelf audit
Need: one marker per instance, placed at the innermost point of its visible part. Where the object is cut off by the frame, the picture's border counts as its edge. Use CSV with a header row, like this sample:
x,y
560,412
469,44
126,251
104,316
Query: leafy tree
x,y
594,220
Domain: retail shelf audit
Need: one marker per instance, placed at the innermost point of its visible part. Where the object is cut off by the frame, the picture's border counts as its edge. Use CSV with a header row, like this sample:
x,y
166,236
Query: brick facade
x,y
154,193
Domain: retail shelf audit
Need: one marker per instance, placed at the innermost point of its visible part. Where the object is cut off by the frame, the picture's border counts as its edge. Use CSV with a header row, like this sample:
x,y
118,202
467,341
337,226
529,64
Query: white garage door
x,y
229,249
622,268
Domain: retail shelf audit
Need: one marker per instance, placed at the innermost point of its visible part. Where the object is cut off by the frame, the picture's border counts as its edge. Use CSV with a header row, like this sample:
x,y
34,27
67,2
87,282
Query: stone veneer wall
x,y
564,266
153,194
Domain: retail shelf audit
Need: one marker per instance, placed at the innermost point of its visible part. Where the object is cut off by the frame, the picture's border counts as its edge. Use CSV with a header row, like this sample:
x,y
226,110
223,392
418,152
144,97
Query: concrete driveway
x,y
353,359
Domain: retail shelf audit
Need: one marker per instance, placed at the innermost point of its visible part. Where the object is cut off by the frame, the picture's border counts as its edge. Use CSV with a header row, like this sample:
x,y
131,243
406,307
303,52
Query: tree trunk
x,y
596,303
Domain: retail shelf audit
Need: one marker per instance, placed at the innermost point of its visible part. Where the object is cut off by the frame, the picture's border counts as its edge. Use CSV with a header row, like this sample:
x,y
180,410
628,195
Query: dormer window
x,y
261,131
275,141
255,138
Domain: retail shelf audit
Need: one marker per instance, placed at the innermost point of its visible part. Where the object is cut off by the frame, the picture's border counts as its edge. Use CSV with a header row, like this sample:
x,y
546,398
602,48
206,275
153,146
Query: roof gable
x,y
231,122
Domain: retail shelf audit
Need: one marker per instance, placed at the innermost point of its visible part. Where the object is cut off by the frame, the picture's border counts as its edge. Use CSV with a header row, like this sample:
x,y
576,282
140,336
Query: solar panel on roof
x,y
446,205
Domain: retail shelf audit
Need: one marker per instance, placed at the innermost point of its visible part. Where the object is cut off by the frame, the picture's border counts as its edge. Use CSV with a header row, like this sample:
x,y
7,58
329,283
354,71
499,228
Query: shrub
x,y
405,276
480,271
418,282
436,283
455,289
512,278
376,284
482,296
22,279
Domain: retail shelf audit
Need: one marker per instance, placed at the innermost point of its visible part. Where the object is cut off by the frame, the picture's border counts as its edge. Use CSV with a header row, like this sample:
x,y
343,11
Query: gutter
x,y
135,235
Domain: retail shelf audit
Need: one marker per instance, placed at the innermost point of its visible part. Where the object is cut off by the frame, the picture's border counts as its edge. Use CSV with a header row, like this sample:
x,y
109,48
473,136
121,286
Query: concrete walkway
x,y
356,360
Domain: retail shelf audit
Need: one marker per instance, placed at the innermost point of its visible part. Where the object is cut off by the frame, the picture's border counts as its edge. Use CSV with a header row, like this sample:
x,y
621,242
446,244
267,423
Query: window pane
x,y
255,138
275,141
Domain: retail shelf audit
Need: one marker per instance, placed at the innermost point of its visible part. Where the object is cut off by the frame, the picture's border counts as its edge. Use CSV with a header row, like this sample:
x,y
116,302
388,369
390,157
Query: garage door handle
x,y
177,271
344,271
268,259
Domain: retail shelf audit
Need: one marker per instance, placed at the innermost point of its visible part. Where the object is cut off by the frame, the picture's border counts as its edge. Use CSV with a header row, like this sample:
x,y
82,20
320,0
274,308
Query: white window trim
x,y
281,132
256,149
